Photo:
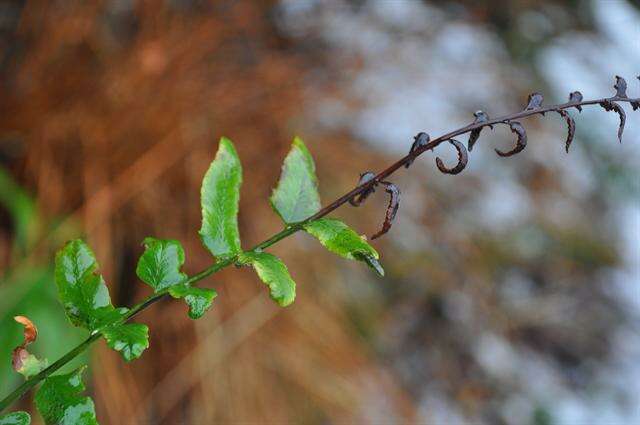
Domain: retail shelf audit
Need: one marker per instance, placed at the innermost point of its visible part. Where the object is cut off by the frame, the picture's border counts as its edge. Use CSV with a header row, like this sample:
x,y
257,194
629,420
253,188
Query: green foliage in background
x,y
26,289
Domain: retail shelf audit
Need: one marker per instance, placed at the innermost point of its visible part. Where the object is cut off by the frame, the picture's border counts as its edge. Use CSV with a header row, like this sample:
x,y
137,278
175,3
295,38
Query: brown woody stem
x,y
293,228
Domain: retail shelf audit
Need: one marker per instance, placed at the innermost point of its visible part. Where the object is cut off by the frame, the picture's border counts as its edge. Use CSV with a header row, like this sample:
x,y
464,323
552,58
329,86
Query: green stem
x,y
31,382
293,228
45,373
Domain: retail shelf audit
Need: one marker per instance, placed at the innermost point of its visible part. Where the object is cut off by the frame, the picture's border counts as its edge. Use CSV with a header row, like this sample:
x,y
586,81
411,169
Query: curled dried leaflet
x,y
422,142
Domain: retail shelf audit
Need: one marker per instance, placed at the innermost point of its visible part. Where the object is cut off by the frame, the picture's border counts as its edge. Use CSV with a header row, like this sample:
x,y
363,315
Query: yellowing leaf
x,y
338,238
219,197
296,196
274,273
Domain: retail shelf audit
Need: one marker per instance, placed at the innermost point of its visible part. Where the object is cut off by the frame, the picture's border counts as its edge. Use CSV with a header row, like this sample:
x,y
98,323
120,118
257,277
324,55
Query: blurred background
x,y
511,293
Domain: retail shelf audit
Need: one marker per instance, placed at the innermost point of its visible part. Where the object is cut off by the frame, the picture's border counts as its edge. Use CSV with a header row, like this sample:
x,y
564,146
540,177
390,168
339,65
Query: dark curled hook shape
x,y
571,127
608,105
463,158
419,141
636,105
392,208
521,143
365,177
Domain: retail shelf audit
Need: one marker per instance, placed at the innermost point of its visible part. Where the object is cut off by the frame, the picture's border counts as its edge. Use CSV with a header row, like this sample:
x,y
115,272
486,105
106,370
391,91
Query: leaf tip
x,y
373,263
297,141
226,145
286,301
224,140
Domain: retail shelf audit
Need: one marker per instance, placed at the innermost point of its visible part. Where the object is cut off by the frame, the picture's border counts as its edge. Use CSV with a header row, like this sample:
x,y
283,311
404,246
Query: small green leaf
x,y
129,339
60,402
340,239
159,266
198,299
81,289
274,273
296,196
219,197
15,418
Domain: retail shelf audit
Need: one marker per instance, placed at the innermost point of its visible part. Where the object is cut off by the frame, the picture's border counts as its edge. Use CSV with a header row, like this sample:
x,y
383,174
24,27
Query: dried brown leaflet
x,y
20,353
534,102
463,158
521,141
575,100
368,178
482,120
392,208
576,97
365,178
419,140
480,117
621,93
609,105
636,104
571,127
620,86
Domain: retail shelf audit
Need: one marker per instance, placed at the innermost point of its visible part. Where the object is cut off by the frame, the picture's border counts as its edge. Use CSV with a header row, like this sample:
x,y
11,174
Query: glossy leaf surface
x,y
198,299
160,264
128,339
15,418
60,401
274,273
81,289
340,239
296,196
219,197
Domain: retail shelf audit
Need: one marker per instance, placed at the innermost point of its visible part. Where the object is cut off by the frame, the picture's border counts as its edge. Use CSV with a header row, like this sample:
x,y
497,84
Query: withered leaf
x,y
571,127
419,140
480,117
392,208
521,143
613,106
30,330
636,105
534,101
365,177
576,97
22,361
463,158
620,86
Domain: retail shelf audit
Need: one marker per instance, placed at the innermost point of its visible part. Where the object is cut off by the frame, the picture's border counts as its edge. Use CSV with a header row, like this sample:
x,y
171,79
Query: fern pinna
x,y
85,297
